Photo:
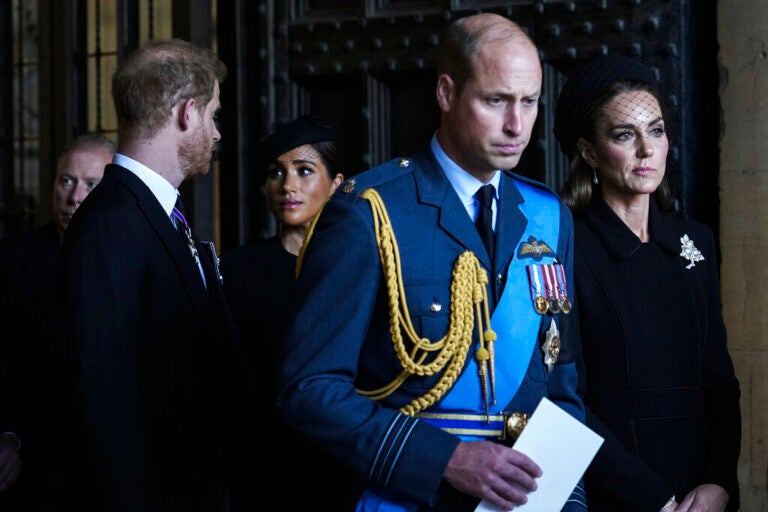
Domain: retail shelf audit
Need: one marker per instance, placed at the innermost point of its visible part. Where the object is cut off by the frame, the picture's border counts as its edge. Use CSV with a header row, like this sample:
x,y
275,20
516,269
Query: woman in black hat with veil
x,y
660,385
302,165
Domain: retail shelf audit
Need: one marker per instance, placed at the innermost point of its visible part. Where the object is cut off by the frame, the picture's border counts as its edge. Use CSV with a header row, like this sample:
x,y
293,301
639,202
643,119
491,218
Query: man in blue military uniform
x,y
404,358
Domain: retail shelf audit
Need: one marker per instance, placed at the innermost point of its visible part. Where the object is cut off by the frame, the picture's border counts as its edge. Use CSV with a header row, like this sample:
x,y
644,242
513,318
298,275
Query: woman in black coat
x,y
659,382
302,164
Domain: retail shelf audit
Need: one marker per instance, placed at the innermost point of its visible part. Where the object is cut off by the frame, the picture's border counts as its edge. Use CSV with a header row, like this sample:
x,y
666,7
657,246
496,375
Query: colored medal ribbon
x,y
540,304
552,295
565,303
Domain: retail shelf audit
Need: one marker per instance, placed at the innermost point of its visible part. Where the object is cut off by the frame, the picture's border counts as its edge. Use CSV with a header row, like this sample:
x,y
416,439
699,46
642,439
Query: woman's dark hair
x,y
331,155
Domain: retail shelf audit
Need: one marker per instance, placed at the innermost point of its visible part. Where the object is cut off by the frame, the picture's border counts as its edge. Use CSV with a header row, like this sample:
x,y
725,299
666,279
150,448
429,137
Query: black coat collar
x,y
619,239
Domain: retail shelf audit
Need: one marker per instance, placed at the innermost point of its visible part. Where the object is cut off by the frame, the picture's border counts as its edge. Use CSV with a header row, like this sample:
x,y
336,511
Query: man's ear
x,y
186,110
445,91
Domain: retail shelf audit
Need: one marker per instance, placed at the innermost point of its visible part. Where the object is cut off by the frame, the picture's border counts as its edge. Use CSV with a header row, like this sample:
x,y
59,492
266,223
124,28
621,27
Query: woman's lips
x,y
290,205
644,170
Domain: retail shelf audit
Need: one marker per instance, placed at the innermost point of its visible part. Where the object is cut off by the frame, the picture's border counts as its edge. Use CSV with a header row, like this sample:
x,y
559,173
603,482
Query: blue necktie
x,y
484,221
182,226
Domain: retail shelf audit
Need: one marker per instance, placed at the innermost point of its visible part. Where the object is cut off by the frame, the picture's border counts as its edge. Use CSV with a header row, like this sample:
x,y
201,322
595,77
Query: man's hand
x,y
493,472
10,463
705,498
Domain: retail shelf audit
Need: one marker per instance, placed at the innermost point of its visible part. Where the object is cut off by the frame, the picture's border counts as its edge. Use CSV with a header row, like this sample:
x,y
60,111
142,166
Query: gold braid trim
x,y
468,295
310,231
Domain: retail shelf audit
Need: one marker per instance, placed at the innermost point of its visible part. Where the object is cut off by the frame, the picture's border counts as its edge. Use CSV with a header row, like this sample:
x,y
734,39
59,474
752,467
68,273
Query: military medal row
x,y
549,292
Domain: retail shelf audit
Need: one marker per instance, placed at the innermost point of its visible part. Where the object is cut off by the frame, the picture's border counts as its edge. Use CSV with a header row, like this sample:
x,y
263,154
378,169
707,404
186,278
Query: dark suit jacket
x,y
660,383
160,380
30,370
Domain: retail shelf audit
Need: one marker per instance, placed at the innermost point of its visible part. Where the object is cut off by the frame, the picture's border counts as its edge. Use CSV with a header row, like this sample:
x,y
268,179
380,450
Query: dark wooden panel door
x,y
370,65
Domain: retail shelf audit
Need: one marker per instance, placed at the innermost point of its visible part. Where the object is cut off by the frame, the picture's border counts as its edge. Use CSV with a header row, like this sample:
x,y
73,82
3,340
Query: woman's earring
x,y
595,181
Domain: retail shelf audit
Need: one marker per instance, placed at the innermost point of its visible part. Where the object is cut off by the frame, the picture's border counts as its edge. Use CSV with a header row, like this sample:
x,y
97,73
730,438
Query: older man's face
x,y
80,171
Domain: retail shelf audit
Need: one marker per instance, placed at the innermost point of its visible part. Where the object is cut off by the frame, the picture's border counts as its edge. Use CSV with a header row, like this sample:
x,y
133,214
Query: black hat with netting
x,y
306,129
574,116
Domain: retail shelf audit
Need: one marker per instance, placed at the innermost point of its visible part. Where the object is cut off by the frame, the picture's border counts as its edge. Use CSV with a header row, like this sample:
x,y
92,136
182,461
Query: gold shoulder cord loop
x,y
448,354
469,299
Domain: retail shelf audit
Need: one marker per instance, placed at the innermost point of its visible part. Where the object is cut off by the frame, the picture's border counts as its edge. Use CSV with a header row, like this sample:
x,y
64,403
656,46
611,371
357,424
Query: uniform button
x,y
435,307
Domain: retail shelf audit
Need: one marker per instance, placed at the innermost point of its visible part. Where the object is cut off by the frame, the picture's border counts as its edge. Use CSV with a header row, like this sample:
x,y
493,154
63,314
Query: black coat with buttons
x,y
660,384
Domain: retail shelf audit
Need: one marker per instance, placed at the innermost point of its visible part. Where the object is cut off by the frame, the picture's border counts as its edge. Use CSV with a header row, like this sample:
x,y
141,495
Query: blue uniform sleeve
x,y
334,321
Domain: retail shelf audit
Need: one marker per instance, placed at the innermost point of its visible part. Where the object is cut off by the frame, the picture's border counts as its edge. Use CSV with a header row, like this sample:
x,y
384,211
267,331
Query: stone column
x,y
743,38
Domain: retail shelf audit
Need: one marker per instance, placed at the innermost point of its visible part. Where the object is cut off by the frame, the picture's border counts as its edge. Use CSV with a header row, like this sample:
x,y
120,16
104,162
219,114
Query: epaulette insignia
x,y
404,162
349,187
534,249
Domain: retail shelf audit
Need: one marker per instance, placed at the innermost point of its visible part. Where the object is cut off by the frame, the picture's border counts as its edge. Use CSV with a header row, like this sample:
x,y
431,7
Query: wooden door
x,y
370,65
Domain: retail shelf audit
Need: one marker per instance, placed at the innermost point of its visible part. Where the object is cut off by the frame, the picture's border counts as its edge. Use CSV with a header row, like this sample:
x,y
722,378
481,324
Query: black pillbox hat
x,y
306,129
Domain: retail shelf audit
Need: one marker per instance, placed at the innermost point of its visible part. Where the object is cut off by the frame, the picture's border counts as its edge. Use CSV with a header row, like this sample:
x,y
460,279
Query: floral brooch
x,y
690,252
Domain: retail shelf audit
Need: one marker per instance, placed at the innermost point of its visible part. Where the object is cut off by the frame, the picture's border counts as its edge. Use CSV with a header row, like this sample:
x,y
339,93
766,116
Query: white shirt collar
x,y
161,188
465,185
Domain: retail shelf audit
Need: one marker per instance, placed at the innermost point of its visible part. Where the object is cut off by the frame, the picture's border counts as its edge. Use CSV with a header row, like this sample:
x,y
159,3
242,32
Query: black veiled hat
x,y
306,129
585,85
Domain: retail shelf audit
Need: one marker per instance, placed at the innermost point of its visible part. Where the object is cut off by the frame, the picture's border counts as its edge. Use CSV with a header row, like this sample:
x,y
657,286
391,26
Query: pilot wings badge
x,y
534,249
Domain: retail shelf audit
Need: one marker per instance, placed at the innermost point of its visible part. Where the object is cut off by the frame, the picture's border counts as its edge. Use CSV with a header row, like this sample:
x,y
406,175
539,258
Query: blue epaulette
x,y
352,187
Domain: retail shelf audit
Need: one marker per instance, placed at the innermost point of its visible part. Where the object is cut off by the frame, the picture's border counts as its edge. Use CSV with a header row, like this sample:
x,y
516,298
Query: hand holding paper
x,y
563,447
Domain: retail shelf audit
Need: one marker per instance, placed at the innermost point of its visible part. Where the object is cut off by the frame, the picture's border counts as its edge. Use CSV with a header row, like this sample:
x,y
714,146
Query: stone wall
x,y
743,39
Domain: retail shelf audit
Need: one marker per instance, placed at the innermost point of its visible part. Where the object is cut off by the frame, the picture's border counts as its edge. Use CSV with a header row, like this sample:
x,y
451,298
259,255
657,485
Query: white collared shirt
x,y
165,193
465,185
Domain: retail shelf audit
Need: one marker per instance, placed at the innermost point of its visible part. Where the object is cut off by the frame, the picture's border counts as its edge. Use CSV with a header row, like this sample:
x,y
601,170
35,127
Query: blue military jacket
x,y
340,340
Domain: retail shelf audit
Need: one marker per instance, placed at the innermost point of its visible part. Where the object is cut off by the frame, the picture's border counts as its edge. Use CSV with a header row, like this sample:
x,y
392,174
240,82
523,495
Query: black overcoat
x,y
660,384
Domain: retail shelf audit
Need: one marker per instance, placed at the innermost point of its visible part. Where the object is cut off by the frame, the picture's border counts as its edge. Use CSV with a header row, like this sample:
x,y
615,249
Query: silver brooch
x,y
690,252
551,346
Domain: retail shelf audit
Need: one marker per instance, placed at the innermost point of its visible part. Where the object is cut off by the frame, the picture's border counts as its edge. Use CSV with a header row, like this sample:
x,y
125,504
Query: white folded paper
x,y
563,447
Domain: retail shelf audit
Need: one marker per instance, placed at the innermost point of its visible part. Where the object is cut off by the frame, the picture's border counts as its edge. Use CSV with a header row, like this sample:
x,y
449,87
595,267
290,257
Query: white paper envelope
x,y
563,447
